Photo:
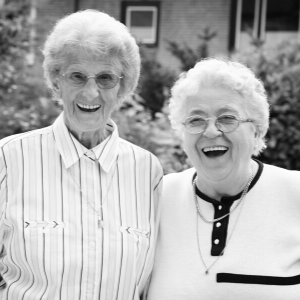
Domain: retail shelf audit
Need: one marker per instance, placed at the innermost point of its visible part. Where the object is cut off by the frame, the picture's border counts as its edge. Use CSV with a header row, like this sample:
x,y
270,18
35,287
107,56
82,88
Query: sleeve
x,y
3,185
157,185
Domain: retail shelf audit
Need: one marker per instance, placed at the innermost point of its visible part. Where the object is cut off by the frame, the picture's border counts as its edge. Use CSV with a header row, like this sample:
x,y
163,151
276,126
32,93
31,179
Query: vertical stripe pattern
x,y
53,191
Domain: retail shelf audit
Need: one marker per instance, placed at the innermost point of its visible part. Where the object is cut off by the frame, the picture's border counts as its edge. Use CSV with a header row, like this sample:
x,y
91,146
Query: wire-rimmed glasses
x,y
103,80
225,123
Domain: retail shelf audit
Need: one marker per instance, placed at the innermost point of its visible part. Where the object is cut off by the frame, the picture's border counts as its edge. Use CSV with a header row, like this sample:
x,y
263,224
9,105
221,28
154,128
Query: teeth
x,y
88,106
219,148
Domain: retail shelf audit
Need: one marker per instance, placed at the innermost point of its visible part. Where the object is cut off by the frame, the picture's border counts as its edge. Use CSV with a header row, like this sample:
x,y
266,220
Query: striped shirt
x,y
76,223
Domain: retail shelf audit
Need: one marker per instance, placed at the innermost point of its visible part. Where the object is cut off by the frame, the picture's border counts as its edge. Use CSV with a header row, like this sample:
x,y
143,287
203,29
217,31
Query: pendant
x,y
206,272
100,223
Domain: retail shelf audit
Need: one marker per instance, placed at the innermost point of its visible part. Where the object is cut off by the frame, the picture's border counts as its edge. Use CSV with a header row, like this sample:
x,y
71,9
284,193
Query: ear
x,y
55,85
56,88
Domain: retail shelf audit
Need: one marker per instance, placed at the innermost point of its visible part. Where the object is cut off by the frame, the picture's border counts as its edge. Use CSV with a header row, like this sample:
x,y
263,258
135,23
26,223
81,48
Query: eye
x,y
105,77
77,77
196,121
227,119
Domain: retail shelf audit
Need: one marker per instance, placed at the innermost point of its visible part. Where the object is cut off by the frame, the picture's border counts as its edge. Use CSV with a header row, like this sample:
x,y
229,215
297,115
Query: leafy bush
x,y
154,84
188,56
138,126
279,69
23,95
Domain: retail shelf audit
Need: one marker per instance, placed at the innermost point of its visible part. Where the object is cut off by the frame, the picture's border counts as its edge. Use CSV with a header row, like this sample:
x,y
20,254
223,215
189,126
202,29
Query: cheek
x,y
245,146
190,144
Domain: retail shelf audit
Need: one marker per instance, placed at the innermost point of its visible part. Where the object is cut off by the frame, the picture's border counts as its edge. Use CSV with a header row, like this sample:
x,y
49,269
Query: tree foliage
x,y
279,69
23,95
188,56
154,84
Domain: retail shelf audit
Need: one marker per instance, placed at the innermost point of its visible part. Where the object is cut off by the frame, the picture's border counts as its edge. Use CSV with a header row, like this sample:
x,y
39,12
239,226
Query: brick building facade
x,y
183,20
179,20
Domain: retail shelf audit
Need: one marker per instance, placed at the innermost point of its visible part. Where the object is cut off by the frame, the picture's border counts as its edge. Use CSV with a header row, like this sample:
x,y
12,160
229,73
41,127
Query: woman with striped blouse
x,y
79,205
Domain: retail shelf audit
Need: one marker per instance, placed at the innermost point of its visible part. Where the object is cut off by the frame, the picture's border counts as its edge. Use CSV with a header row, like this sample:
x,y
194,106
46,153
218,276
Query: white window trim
x,y
256,21
154,9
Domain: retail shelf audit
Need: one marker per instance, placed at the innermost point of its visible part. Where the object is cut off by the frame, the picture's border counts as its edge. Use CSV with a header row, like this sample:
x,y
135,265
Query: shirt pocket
x,y
40,232
140,237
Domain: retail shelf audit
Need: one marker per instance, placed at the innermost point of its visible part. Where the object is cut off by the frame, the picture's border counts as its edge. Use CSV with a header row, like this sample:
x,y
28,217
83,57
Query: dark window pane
x,y
248,8
282,15
142,18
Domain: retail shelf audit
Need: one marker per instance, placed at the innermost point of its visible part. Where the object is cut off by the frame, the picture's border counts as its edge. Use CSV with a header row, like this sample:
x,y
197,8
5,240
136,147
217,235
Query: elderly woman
x,y
78,204
230,226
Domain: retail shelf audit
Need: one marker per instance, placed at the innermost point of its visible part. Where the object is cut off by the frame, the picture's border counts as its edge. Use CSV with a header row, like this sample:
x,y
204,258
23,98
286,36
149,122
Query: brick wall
x,y
180,20
183,20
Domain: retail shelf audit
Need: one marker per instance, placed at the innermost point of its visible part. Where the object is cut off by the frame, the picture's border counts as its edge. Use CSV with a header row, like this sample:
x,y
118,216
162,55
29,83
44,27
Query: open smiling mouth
x,y
88,108
214,151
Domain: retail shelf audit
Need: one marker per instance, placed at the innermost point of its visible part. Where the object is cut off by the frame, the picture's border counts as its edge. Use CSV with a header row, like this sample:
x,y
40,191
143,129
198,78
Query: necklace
x,y
100,221
245,191
207,268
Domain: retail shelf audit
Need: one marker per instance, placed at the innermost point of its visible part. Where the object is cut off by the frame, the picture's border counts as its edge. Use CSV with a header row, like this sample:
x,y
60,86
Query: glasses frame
x,y
240,120
91,76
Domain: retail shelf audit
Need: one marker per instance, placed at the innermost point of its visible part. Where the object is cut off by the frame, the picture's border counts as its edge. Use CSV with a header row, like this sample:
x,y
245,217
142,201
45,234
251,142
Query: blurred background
x,y
173,35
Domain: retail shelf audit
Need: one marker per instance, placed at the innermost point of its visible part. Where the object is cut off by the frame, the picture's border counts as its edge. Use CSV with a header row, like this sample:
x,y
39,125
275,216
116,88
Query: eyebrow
x,y
228,108
224,109
197,112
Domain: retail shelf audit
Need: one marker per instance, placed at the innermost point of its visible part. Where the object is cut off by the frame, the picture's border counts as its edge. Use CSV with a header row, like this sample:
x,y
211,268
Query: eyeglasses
x,y
225,123
103,80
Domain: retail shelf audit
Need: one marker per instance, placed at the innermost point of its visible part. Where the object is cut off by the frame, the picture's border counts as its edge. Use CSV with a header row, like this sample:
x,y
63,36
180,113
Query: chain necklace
x,y
207,268
100,221
245,191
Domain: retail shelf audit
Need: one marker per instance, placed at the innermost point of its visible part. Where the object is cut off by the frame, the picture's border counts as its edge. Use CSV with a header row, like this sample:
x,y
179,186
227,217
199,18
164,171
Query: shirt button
x,y
90,286
92,245
218,224
216,242
220,207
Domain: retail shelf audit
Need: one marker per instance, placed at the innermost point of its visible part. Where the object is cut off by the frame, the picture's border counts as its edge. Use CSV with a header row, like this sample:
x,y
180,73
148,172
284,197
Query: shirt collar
x,y
72,150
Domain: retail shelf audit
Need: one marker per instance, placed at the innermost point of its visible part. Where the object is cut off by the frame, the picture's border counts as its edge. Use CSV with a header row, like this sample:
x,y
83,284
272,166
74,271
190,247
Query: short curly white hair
x,y
220,72
99,35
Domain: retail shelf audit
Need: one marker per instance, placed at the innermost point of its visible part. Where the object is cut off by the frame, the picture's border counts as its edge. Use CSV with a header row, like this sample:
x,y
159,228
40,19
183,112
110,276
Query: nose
x,y
212,130
91,89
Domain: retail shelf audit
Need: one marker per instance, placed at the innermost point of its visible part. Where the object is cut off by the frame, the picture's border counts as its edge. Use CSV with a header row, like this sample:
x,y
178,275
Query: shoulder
x,y
179,177
138,152
281,173
144,159
281,178
177,183
16,138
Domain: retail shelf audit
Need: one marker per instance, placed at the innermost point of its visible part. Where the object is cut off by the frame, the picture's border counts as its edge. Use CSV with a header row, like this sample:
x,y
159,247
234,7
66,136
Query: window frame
x,y
259,29
129,6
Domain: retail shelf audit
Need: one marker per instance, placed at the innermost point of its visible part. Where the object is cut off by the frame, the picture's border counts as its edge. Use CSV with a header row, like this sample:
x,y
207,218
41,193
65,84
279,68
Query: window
x,y
142,20
269,21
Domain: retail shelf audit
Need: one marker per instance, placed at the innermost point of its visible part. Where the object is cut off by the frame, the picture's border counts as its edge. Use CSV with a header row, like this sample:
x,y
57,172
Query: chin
x,y
217,175
217,172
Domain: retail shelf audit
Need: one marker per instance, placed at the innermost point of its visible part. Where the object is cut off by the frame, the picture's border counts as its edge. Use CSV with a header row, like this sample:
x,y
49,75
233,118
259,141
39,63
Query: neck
x,y
227,187
91,139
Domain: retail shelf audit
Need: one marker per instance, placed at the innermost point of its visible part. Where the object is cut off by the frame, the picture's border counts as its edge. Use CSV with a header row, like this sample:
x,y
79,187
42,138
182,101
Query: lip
x,y
88,108
214,151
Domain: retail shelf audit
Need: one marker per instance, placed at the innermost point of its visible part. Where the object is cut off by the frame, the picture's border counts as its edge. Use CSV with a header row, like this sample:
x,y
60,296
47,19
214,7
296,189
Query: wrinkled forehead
x,y
216,101
84,58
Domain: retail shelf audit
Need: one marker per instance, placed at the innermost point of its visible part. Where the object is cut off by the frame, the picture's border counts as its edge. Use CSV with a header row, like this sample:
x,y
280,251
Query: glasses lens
x,y
76,78
195,124
227,123
107,81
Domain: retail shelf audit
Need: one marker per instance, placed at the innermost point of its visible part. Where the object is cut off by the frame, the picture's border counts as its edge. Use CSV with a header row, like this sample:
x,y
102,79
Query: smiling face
x,y
87,108
216,155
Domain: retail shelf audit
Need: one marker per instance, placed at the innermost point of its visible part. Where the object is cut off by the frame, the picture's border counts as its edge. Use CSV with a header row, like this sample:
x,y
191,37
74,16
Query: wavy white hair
x,y
99,35
218,72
